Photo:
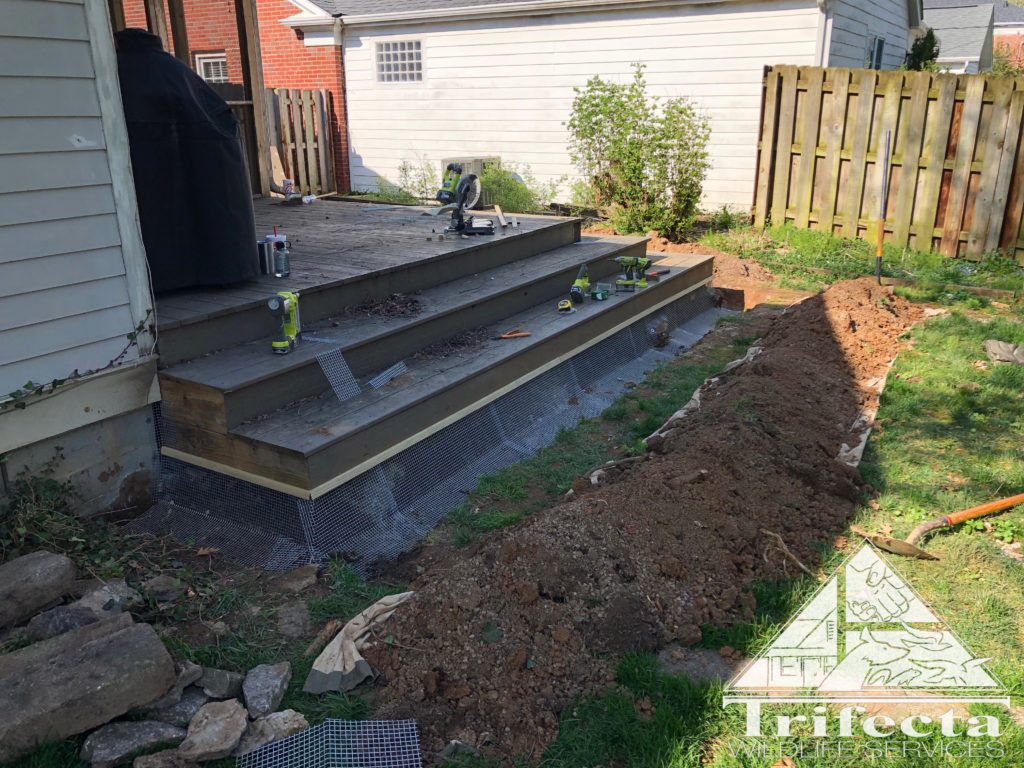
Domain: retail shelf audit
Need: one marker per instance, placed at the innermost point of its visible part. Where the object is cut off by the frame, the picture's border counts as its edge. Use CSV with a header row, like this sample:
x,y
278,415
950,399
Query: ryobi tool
x,y
285,304
580,286
465,189
634,269
448,193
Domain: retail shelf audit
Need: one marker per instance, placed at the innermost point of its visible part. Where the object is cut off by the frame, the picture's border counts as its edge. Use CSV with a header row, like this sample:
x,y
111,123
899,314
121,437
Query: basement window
x,y
399,61
212,67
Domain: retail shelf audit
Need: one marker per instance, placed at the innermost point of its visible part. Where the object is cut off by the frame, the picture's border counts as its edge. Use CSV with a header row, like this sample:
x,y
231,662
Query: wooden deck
x,y
336,247
332,242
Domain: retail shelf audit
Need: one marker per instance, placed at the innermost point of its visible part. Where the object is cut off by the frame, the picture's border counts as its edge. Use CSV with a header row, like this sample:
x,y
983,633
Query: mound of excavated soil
x,y
500,637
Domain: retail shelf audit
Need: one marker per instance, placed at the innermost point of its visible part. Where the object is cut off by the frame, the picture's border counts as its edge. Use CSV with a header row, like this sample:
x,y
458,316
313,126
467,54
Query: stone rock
x,y
264,687
187,673
221,684
110,599
273,727
296,580
166,759
77,681
117,743
32,582
163,588
59,620
181,713
215,731
293,620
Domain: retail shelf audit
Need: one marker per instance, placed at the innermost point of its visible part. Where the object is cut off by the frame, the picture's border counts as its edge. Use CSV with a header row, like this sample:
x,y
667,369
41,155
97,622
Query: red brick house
x,y
295,54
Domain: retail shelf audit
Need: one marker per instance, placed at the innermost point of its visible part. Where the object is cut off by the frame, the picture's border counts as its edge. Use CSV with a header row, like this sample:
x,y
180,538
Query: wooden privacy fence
x,y
956,178
301,147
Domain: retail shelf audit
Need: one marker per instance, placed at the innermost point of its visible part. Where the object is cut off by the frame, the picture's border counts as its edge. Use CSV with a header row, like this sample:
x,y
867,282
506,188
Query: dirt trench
x,y
502,636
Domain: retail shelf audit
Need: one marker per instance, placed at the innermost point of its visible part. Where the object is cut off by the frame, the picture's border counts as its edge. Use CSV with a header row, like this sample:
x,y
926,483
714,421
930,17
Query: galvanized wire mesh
x,y
343,744
385,511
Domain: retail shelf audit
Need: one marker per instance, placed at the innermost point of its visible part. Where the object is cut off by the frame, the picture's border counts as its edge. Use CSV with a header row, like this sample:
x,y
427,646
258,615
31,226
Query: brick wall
x,y
1012,44
287,61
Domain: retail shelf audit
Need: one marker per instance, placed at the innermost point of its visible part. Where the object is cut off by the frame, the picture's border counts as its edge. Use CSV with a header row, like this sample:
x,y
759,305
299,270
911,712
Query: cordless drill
x,y
634,273
285,304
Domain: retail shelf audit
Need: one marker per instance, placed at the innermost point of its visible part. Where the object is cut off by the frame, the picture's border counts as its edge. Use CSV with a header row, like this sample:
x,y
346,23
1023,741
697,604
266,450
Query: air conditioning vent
x,y
475,165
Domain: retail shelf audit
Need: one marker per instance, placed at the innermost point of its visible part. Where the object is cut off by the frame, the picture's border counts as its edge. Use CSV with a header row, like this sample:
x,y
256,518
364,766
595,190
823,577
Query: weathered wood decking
x,y
336,246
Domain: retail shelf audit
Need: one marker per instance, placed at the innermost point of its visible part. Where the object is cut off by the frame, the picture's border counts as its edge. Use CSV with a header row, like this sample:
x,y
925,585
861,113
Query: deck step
x,y
383,259
315,444
226,388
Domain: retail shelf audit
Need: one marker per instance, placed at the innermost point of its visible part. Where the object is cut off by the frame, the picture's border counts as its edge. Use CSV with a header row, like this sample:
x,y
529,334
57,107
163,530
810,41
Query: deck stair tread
x,y
229,369
310,425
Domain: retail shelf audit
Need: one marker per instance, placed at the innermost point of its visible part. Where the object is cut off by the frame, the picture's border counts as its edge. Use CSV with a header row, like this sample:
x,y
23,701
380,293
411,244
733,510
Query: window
x,y
212,67
399,61
876,47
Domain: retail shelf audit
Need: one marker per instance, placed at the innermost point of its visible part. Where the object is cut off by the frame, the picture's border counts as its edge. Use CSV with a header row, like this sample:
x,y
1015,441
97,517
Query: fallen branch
x,y
787,552
330,630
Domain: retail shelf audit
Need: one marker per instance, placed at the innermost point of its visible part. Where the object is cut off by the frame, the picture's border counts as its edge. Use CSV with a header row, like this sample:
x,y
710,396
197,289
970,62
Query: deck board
x,y
332,242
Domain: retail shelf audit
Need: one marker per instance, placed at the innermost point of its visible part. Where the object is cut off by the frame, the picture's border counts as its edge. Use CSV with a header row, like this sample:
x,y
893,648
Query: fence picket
x,y
957,162
834,137
766,151
859,152
784,142
809,129
909,153
956,204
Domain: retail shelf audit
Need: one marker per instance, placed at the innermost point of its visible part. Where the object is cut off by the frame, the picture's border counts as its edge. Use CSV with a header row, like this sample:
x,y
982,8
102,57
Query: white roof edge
x,y
310,14
528,7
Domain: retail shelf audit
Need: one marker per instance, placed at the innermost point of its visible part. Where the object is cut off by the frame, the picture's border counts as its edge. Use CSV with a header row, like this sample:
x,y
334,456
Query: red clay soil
x,y
501,637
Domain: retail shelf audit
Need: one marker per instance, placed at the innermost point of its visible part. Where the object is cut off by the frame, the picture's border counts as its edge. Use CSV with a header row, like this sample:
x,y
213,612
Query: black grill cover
x,y
191,177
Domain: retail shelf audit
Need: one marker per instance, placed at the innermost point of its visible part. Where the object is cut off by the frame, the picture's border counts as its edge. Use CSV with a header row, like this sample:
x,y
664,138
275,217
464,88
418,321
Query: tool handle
x,y
984,509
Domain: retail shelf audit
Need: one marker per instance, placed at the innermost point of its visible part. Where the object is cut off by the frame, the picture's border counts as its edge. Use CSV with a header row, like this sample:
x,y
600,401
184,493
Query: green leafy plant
x,y
38,512
644,159
1004,64
923,53
515,188
419,179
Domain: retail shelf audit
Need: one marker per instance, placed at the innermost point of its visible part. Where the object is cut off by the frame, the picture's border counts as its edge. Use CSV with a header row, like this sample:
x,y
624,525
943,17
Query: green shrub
x,y
515,188
420,180
644,159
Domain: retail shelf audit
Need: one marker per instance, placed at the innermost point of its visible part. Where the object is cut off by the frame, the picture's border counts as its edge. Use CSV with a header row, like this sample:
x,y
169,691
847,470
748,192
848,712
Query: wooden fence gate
x,y
301,147
956,160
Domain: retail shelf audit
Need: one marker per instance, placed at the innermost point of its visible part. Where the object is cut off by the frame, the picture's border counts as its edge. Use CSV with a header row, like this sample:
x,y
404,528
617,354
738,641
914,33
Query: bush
x,y
645,160
420,180
515,188
923,53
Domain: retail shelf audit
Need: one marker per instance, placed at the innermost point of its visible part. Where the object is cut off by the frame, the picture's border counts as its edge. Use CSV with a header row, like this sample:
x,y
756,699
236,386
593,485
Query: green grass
x,y
950,437
810,260
503,498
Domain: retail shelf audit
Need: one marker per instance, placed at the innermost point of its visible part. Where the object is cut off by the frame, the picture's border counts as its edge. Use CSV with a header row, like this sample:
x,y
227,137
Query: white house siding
x,y
504,87
855,23
64,295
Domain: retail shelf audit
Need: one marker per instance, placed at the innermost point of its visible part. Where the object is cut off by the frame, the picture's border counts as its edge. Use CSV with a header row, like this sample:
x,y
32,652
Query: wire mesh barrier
x,y
343,744
386,510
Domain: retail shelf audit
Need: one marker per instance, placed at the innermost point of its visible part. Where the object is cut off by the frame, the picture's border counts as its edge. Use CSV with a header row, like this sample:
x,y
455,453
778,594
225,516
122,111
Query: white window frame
x,y
395,54
208,58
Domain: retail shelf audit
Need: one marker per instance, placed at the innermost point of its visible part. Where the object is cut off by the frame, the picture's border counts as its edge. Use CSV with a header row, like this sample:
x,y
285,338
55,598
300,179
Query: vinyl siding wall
x,y
64,295
505,87
856,22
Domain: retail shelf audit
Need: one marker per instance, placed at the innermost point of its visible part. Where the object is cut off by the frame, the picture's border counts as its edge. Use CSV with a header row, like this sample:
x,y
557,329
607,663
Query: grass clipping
x,y
500,637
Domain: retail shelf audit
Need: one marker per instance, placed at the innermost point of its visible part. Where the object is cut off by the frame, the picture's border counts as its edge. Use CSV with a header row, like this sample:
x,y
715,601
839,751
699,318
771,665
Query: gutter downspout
x,y
823,44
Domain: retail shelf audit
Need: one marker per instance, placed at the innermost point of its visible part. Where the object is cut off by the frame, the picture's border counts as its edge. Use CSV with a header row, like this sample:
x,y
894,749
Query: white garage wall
x,y
505,87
